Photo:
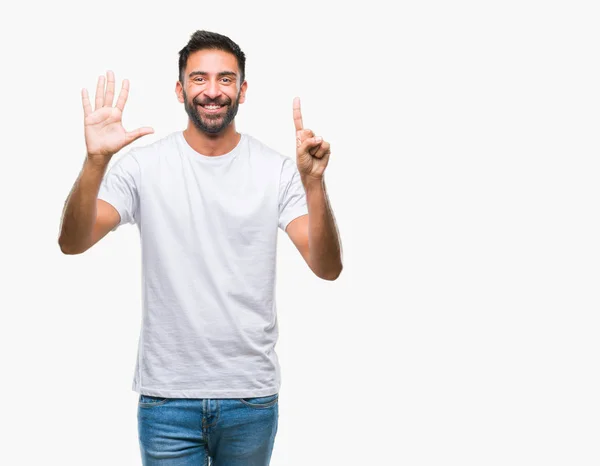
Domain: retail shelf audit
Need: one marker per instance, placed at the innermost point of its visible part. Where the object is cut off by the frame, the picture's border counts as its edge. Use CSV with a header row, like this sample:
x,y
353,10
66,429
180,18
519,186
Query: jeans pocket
x,y
261,402
147,401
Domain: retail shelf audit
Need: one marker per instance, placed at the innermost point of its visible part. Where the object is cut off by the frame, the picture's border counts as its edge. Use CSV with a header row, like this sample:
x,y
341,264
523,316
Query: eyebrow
x,y
220,75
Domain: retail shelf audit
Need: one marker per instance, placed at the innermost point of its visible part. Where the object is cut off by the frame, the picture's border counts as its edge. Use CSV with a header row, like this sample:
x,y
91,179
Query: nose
x,y
212,90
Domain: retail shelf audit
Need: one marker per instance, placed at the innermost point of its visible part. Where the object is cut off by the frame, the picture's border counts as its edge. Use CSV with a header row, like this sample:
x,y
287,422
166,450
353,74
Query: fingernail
x,y
318,139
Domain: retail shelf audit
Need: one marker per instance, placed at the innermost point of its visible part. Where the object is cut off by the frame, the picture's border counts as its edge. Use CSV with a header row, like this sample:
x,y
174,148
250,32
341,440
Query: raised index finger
x,y
298,115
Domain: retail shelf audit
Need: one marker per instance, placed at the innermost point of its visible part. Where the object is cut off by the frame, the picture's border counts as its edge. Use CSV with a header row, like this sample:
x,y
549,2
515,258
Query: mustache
x,y
226,101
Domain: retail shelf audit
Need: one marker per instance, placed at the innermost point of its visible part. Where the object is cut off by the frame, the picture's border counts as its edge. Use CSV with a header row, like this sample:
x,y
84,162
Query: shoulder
x,y
144,155
266,152
163,145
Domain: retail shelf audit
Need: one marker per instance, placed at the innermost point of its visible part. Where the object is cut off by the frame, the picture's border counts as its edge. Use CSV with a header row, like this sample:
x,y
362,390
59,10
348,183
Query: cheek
x,y
192,92
242,97
190,98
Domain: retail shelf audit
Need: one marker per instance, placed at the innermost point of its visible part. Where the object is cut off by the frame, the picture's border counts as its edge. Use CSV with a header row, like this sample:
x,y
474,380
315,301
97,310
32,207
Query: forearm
x,y
323,238
79,214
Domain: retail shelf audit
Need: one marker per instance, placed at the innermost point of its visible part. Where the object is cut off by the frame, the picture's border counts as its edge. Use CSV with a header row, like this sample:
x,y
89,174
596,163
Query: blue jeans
x,y
190,431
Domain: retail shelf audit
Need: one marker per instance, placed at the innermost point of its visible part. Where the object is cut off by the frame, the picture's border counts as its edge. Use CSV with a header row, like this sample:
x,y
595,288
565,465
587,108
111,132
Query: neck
x,y
212,144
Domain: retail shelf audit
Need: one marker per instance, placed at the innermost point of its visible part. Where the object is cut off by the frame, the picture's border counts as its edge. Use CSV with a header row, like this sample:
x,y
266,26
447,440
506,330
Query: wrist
x,y
312,182
96,163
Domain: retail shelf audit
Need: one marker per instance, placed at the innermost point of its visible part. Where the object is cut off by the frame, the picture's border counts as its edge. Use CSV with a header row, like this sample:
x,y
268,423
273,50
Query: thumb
x,y
304,134
138,133
309,144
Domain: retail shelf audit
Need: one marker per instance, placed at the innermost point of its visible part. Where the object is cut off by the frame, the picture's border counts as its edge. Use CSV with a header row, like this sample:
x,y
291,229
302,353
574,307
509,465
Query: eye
x,y
226,80
198,80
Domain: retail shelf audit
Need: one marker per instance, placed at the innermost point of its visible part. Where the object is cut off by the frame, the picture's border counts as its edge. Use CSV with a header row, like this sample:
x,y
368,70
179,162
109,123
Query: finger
x,y
307,145
313,150
110,89
100,92
302,135
85,99
323,150
297,114
306,133
123,95
138,133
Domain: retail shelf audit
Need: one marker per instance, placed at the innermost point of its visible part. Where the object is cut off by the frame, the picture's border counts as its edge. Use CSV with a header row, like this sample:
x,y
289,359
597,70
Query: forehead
x,y
211,61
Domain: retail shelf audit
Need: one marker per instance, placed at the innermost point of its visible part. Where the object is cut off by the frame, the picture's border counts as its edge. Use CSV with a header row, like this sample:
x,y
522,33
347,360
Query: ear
x,y
243,92
179,91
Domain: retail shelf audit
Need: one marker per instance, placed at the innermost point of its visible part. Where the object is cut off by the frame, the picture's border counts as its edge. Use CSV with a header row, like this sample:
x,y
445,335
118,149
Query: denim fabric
x,y
201,431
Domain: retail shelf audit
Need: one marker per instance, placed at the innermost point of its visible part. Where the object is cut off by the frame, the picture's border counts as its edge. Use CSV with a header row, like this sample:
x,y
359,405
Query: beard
x,y
211,123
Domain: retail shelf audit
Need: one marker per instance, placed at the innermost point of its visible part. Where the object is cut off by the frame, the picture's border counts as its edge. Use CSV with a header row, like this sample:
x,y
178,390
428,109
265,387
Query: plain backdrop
x,y
464,329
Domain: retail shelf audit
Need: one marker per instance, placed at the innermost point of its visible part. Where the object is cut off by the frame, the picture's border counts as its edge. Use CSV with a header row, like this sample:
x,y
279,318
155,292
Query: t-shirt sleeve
x,y
120,188
292,197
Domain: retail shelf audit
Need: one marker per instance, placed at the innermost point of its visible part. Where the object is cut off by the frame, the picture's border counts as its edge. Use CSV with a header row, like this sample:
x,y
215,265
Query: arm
x,y
87,219
316,235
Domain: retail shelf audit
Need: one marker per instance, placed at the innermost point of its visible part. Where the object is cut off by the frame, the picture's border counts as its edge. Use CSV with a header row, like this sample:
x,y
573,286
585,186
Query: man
x,y
207,201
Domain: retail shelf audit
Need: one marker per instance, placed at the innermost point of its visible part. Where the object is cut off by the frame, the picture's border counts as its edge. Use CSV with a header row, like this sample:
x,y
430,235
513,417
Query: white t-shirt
x,y
208,228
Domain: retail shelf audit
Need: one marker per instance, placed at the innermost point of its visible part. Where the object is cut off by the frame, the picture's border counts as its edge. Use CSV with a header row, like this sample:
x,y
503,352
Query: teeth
x,y
212,107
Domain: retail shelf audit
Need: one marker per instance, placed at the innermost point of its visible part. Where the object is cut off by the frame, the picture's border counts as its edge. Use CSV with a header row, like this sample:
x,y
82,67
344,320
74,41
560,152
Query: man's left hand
x,y
312,152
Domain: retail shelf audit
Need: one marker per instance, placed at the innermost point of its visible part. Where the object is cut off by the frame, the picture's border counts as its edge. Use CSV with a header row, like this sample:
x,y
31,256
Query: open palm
x,y
104,132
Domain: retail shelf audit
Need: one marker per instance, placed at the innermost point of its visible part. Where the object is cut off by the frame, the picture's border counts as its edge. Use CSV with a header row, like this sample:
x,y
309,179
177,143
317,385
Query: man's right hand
x,y
104,132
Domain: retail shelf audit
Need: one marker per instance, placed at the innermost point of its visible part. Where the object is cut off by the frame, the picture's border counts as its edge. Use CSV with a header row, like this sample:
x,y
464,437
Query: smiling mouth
x,y
212,108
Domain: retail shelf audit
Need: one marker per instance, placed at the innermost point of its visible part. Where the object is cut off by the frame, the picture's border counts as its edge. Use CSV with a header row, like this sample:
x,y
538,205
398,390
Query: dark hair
x,y
202,40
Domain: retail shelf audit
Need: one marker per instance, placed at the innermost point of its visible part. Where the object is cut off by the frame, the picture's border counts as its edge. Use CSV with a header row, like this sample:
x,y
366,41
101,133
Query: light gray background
x,y
464,179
